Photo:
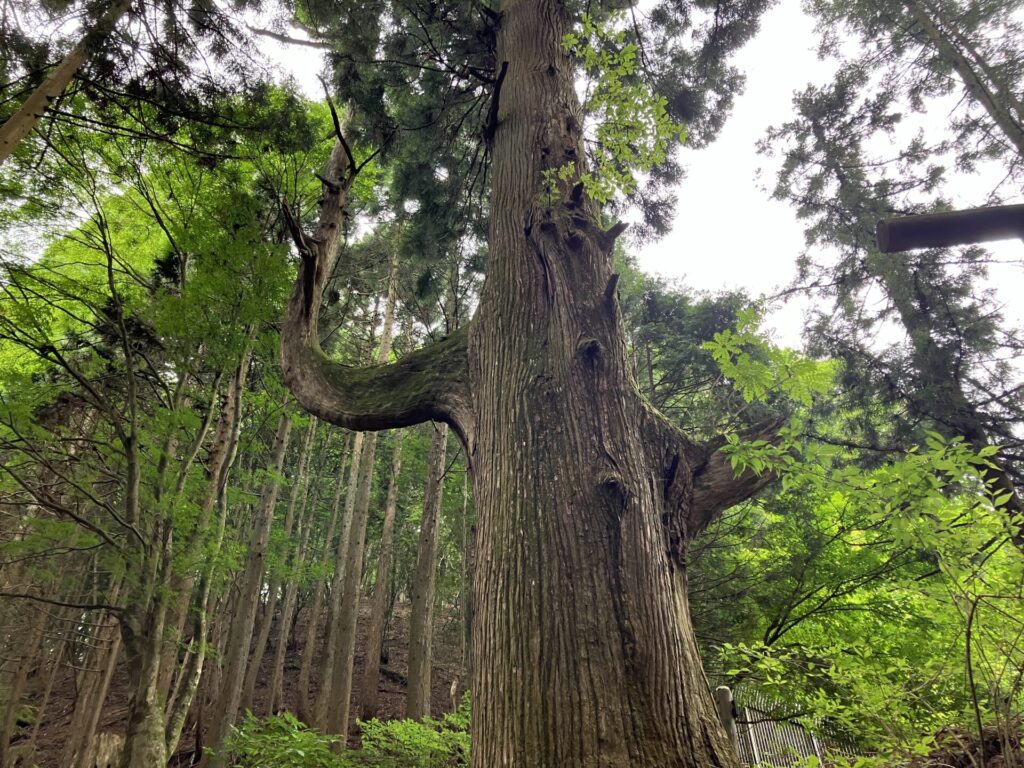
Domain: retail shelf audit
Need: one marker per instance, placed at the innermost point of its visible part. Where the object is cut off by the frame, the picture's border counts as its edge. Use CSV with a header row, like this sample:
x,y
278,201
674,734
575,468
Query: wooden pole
x,y
940,230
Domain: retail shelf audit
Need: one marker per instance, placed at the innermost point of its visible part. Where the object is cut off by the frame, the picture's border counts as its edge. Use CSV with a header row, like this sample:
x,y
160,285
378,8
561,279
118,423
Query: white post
x,y
727,713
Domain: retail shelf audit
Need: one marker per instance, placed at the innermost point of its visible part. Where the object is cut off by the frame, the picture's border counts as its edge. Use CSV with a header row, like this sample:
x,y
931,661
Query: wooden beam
x,y
941,230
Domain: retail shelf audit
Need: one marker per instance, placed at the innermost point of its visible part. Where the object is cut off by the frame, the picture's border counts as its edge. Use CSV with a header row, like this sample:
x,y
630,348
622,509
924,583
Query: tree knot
x,y
589,351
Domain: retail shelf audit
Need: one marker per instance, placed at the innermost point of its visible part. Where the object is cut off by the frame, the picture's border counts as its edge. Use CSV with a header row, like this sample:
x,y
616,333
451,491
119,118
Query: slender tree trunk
x,y
43,709
274,589
210,681
275,700
378,612
25,119
341,673
101,695
259,648
306,709
304,705
188,681
417,702
182,585
245,616
338,676
467,578
298,489
16,690
221,458
976,87
93,694
325,691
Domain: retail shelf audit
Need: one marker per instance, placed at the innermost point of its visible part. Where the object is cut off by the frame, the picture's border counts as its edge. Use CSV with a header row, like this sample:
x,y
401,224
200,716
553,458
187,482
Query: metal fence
x,y
766,736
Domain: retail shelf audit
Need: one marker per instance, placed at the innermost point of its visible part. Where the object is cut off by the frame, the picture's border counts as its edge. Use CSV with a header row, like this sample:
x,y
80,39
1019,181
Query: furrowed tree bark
x,y
369,699
586,499
21,123
417,701
583,651
245,616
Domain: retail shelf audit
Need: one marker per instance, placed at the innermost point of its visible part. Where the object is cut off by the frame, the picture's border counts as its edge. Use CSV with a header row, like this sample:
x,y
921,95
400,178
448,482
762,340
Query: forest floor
x,y
447,666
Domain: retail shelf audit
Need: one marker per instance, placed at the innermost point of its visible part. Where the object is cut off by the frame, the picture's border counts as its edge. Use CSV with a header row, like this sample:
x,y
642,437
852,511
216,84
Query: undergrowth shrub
x,y
286,742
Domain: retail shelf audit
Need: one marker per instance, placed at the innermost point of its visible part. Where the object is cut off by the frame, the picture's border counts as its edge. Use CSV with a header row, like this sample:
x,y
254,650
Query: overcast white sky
x,y
758,254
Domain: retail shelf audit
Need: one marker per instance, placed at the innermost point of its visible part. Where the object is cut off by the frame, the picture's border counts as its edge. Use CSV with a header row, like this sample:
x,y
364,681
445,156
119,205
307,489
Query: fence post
x,y
727,713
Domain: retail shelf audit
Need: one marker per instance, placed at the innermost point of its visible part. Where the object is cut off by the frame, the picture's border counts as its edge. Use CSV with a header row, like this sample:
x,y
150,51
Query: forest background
x,y
181,542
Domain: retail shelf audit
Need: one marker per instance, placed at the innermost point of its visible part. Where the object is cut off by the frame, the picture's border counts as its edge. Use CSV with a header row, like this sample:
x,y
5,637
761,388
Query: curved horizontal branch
x,y
429,384
716,486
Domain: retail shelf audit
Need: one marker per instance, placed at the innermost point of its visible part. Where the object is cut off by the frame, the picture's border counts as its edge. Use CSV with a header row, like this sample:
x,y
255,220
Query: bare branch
x,y
63,603
337,129
287,39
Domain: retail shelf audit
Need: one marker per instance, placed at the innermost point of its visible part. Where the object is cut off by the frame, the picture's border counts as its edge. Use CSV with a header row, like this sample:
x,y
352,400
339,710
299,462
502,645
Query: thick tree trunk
x,y
245,615
467,578
583,652
25,119
378,611
144,743
421,619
